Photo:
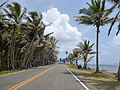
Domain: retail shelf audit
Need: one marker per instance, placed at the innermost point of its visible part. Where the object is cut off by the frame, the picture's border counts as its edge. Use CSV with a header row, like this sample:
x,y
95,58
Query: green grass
x,y
8,71
100,81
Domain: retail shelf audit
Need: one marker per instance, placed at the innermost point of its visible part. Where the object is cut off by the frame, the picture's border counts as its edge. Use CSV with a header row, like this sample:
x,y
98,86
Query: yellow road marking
x,y
28,80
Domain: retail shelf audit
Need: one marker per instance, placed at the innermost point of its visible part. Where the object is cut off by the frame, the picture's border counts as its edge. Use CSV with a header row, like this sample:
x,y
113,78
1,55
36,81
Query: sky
x,y
61,13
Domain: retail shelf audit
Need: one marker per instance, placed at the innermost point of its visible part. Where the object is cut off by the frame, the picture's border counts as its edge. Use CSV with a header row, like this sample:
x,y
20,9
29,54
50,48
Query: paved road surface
x,y
43,78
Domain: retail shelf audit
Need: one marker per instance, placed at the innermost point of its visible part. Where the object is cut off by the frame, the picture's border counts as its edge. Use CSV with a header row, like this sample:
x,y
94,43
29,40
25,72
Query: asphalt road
x,y
53,77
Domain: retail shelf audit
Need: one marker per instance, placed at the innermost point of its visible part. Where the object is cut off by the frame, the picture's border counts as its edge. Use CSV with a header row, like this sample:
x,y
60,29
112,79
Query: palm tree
x,y
14,14
76,53
22,40
53,49
34,28
35,36
3,41
85,48
71,57
97,16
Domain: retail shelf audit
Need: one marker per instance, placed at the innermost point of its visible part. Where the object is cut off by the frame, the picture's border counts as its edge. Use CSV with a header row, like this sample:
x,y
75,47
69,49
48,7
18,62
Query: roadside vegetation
x,y
97,15
23,43
101,81
8,71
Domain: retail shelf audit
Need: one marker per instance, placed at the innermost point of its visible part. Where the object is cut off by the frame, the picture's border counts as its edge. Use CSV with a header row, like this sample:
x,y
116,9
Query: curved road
x,y
53,77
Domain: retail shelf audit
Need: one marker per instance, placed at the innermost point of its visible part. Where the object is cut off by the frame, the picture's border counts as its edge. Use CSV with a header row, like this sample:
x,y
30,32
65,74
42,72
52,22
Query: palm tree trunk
x,y
85,65
12,57
0,61
8,58
76,62
28,51
97,56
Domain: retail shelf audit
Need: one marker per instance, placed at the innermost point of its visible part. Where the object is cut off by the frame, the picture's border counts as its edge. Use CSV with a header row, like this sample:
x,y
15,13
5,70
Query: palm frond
x,y
118,29
89,59
23,13
103,5
113,23
46,36
110,10
3,4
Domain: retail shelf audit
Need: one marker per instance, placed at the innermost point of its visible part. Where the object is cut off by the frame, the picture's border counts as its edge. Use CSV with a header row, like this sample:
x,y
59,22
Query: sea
x,y
109,68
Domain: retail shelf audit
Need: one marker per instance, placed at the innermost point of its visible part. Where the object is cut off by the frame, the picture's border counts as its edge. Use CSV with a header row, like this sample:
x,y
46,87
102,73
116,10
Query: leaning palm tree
x,y
95,15
35,35
71,57
34,28
85,49
14,14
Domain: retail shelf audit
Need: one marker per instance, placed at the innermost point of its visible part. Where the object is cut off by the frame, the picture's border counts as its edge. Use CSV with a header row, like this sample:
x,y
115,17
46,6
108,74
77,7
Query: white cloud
x,y
68,35
110,51
116,40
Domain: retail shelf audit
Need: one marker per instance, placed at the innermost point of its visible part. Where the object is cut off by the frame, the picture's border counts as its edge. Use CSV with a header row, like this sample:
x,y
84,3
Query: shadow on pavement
x,y
66,72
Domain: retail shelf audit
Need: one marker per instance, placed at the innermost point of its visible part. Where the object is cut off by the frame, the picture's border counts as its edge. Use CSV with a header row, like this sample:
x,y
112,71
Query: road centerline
x,y
29,80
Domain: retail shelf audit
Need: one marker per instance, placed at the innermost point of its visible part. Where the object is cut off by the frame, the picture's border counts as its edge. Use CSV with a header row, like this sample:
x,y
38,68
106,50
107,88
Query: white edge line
x,y
78,79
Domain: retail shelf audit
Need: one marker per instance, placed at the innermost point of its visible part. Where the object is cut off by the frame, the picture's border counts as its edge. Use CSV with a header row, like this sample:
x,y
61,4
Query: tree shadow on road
x,y
66,72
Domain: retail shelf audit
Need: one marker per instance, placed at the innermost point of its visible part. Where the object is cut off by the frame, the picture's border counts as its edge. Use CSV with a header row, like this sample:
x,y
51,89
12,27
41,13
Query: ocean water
x,y
109,68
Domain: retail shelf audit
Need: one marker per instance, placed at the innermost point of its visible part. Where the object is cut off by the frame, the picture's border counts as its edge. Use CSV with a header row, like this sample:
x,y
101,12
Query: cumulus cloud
x,y
68,35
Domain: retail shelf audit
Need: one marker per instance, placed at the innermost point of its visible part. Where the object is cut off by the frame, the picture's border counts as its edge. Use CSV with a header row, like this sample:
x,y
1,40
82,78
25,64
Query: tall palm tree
x,y
22,40
95,15
2,28
85,48
35,35
34,28
14,14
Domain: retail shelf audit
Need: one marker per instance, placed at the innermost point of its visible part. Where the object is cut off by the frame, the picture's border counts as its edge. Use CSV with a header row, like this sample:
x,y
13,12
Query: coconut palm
x,y
22,40
14,14
70,57
95,15
85,49
34,28
76,53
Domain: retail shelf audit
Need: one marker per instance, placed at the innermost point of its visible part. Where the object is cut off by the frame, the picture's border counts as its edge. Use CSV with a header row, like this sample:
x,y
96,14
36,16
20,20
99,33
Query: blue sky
x,y
61,13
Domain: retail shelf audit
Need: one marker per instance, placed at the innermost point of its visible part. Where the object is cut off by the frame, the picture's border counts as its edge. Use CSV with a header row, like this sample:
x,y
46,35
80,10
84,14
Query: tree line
x,y
84,52
23,43
97,15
